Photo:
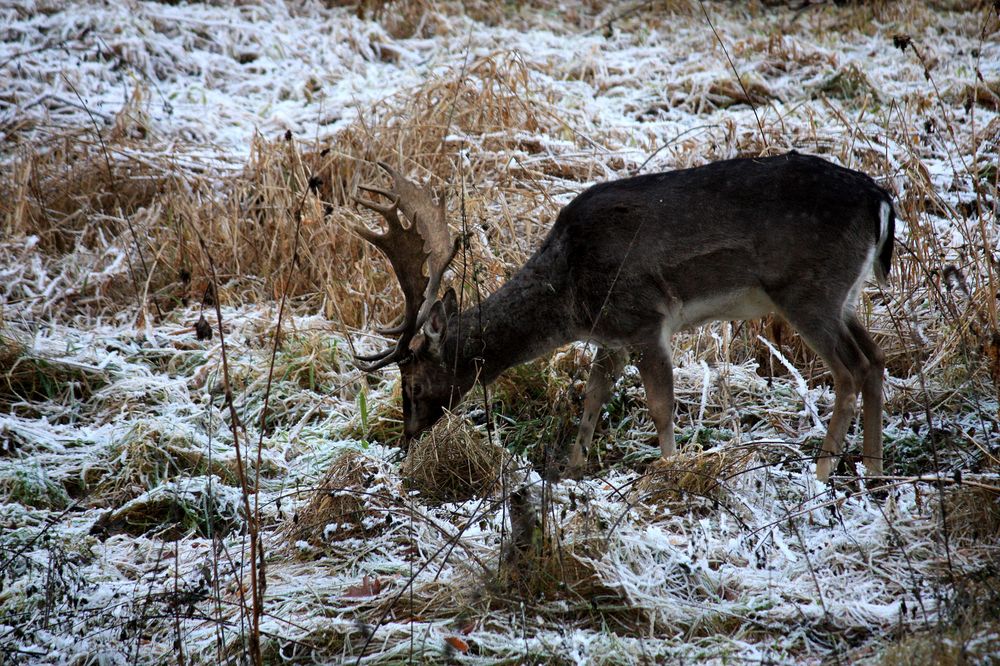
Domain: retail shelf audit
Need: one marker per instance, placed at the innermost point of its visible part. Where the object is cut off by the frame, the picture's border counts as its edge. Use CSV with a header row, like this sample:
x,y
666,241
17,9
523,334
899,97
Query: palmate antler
x,y
425,241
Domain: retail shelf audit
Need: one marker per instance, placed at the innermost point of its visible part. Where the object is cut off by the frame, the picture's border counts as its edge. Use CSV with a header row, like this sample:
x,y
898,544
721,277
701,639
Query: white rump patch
x,y
883,219
866,270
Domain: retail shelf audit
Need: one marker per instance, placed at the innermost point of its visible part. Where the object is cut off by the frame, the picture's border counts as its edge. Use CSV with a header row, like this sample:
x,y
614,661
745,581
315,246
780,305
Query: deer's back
x,y
634,248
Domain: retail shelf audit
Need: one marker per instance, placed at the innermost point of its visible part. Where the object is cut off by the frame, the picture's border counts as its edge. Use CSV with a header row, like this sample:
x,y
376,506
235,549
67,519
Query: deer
x,y
630,262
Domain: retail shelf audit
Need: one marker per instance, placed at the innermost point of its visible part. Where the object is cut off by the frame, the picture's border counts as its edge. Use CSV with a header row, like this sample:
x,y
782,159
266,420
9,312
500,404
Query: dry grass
x,y
354,500
493,137
76,187
973,512
453,462
79,190
547,571
378,420
539,402
691,479
969,635
550,571
148,456
174,510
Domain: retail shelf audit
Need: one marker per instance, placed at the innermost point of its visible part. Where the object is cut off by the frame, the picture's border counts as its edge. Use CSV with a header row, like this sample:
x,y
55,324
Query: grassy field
x,y
192,470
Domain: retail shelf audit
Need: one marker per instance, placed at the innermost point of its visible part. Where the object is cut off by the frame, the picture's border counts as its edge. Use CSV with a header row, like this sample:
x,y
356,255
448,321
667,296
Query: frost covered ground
x,y
140,138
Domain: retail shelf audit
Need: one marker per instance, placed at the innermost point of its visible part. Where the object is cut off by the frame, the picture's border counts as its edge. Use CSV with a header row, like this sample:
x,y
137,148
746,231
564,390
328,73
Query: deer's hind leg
x,y
604,372
871,397
834,341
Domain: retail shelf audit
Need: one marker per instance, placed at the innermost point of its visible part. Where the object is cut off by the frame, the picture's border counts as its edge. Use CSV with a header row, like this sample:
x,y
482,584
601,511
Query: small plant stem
x,y
234,426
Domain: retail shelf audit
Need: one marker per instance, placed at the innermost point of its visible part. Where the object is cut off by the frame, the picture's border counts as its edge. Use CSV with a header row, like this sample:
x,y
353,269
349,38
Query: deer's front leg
x,y
658,378
604,372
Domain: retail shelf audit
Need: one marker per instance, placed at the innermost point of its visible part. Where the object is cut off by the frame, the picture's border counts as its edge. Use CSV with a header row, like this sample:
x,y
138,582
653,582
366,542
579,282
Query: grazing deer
x,y
630,262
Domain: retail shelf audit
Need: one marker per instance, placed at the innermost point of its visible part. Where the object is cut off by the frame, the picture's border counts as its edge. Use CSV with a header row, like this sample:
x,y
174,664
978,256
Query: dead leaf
x,y
458,644
369,587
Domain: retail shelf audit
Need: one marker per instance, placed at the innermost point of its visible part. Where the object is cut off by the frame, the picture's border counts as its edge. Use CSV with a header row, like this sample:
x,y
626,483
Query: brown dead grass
x,y
453,462
84,190
691,479
973,512
75,188
145,457
352,501
968,634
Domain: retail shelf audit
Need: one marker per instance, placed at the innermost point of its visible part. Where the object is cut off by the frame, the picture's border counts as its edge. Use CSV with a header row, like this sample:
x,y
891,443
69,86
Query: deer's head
x,y
429,386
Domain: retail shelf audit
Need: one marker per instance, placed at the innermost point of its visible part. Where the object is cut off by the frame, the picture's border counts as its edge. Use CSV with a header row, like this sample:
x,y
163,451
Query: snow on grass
x,y
123,535
781,568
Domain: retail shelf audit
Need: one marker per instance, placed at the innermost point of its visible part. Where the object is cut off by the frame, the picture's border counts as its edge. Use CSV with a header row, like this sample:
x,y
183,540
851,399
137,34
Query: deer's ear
x,y
436,327
450,302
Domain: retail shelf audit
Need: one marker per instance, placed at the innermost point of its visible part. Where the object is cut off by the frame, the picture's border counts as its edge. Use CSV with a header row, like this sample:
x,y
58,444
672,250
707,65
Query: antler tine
x,y
377,356
429,219
379,361
389,213
395,329
426,241
434,282
377,190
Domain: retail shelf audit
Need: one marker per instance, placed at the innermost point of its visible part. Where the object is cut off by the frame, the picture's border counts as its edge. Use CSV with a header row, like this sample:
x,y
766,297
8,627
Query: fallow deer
x,y
628,263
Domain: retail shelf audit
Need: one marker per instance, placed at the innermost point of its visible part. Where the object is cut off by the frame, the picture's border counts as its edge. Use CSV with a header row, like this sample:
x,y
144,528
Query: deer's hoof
x,y
574,471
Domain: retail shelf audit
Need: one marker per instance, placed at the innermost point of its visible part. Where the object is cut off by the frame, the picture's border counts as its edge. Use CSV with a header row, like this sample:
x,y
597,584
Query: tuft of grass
x,y
30,485
969,633
27,378
551,569
176,509
973,513
453,462
690,479
537,406
149,455
849,83
57,190
356,499
378,421
311,361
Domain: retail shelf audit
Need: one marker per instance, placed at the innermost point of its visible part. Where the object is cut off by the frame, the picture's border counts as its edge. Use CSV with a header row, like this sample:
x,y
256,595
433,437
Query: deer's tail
x,y
883,247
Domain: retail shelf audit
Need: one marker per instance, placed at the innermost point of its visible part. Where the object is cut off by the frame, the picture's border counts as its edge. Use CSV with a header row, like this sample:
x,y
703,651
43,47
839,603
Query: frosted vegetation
x,y
174,170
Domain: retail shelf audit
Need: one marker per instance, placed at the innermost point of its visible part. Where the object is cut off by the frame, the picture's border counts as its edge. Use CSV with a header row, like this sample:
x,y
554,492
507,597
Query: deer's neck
x,y
526,318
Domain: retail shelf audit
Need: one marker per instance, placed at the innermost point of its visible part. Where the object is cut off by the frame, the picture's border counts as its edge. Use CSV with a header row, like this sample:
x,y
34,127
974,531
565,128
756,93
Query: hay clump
x,y
553,567
691,480
356,499
453,462
973,512
548,570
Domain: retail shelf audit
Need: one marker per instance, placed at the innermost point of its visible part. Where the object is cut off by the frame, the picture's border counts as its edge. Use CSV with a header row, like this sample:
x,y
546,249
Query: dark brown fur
x,y
631,261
